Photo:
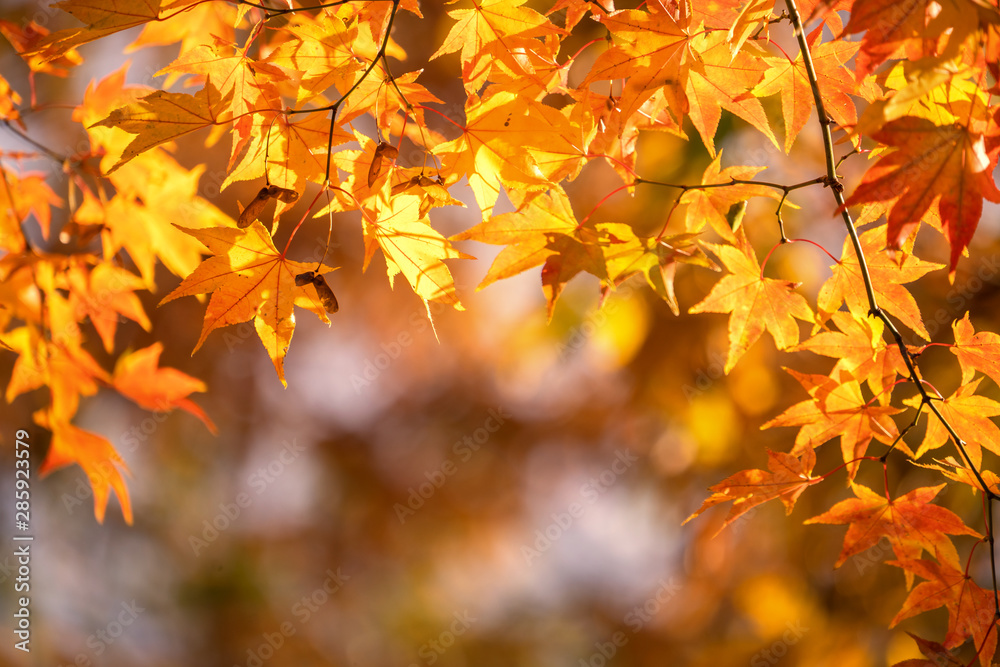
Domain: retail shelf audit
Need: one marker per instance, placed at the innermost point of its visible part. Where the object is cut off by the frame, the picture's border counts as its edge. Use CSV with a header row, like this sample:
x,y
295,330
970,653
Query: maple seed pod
x,y
383,152
266,194
253,209
325,294
304,278
282,194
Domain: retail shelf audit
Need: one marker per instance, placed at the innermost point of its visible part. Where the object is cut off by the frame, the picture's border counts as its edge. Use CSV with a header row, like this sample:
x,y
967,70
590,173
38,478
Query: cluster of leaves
x,y
910,83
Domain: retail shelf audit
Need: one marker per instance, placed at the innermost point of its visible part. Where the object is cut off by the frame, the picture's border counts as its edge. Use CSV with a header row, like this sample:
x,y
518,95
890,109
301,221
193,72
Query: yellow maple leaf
x,y
411,247
161,117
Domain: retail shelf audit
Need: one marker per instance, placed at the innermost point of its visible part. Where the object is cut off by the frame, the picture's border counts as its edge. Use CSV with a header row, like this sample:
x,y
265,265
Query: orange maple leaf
x,y
490,35
161,117
789,79
970,415
911,523
756,304
789,475
250,279
656,258
652,52
860,350
721,80
322,51
504,143
847,286
948,165
244,85
712,205
25,38
65,367
139,376
103,294
837,408
103,17
411,247
889,27
22,195
544,232
95,455
976,351
971,609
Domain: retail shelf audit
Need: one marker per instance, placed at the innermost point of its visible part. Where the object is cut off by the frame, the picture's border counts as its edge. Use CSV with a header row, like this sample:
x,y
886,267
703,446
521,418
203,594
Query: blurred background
x,y
509,492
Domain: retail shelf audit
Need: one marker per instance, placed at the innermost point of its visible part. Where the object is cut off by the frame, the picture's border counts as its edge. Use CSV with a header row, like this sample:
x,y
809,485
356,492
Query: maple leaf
x,y
934,652
545,232
152,191
861,351
504,143
756,304
95,455
384,97
846,285
199,23
655,258
490,35
432,191
23,195
976,351
139,376
787,477
161,117
322,51
411,247
25,38
910,522
295,148
577,9
953,470
837,408
103,17
947,165
245,86
720,80
889,26
790,79
752,18
249,279
969,414
65,368
9,100
103,293
712,205
651,51
971,610
929,89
